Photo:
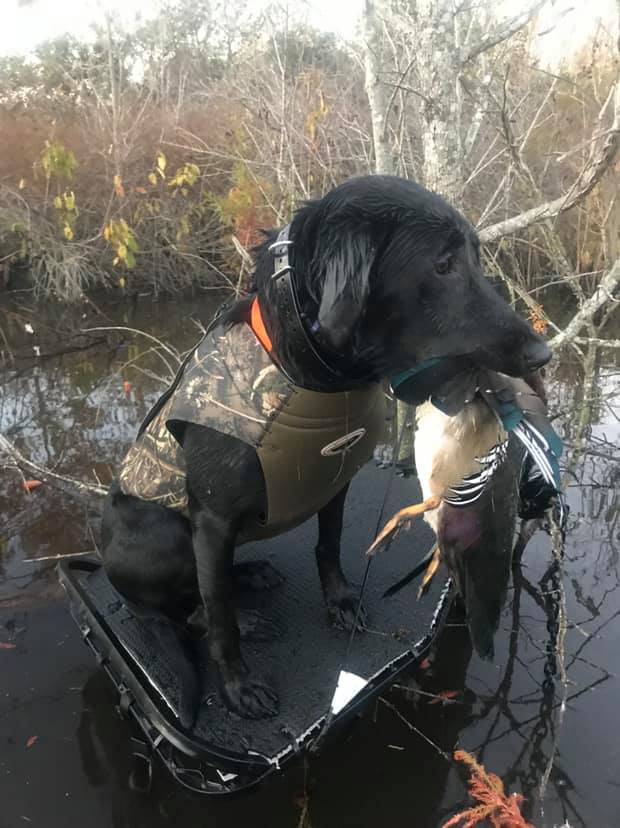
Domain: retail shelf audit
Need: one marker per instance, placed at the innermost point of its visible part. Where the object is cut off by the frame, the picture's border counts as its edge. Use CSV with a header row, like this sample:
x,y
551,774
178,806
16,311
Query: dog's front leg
x,y
214,547
341,599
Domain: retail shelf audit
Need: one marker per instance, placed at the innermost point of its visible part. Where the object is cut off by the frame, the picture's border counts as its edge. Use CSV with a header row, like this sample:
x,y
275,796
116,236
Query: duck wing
x,y
522,411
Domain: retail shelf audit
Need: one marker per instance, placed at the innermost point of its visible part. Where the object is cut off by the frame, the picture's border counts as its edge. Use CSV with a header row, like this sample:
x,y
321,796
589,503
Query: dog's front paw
x,y
250,698
342,608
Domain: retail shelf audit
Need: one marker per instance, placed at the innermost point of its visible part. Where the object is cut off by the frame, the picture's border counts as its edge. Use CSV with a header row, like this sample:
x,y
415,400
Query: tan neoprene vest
x,y
309,443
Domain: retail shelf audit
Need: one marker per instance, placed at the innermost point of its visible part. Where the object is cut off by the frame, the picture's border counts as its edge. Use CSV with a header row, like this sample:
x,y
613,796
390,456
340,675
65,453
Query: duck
x,y
485,451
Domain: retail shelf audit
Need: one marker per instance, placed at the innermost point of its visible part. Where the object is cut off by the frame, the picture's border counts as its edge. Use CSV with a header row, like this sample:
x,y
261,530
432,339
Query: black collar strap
x,y
279,248
287,306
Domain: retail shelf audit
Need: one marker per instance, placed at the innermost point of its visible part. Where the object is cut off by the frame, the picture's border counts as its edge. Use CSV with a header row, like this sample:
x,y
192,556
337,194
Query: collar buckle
x,y
280,249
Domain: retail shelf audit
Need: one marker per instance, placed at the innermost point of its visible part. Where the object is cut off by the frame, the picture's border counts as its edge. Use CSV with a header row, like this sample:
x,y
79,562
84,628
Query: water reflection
x,y
73,412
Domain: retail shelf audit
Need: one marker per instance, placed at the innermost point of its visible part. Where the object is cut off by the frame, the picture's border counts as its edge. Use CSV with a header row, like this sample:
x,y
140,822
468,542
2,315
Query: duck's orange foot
x,y
401,517
429,574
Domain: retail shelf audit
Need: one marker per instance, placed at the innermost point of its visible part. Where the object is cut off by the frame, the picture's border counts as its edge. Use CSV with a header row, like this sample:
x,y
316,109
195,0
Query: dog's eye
x,y
443,266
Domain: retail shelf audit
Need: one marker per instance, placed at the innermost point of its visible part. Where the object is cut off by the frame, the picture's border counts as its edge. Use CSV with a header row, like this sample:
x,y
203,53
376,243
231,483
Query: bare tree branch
x,y
600,343
586,182
494,38
603,294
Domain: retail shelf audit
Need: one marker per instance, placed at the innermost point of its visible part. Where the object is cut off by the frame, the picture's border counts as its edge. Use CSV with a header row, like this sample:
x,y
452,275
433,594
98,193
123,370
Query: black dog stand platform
x,y
305,663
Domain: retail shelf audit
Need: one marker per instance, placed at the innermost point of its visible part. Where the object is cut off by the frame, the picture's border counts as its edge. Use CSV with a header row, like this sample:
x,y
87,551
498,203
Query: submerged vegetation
x,y
493,804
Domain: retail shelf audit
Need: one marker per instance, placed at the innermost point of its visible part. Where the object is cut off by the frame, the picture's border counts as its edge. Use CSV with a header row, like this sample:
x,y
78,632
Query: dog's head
x,y
389,274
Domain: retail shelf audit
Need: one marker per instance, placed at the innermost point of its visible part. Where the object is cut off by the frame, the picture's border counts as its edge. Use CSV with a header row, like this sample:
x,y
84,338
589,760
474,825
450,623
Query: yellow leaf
x,y
106,233
116,261
153,179
58,203
121,251
184,228
122,282
68,232
22,183
70,201
118,186
161,163
323,108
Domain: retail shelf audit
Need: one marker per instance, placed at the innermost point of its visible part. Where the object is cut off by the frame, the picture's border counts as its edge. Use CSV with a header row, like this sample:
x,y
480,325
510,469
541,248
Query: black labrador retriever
x,y
383,274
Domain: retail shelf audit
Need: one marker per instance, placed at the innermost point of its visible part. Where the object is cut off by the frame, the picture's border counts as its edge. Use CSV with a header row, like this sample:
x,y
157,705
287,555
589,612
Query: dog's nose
x,y
537,354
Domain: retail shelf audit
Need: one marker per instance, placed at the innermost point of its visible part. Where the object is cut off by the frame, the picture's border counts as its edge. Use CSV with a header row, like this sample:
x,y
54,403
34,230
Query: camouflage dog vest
x,y
309,443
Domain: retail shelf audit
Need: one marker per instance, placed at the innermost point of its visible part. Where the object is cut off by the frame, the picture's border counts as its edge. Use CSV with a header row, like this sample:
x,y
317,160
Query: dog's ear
x,y
345,272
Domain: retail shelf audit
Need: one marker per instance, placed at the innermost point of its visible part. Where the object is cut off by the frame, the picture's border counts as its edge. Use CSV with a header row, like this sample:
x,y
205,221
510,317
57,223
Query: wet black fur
x,y
387,274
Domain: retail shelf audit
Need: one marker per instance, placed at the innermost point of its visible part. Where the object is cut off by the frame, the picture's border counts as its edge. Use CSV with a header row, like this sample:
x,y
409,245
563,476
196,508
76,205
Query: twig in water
x,y
174,354
449,699
304,816
60,557
13,452
92,537
414,729
560,654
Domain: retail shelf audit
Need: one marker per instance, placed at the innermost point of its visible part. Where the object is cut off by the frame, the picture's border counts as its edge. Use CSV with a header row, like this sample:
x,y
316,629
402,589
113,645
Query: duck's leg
x,y
401,517
431,569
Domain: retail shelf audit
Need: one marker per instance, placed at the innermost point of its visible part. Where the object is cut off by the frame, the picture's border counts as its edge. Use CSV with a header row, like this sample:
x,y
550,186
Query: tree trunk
x,y
438,77
115,106
375,14
437,70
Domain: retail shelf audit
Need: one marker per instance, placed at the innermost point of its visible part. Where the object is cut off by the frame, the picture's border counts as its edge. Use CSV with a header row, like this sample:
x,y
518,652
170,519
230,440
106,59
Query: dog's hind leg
x,y
147,554
148,557
341,599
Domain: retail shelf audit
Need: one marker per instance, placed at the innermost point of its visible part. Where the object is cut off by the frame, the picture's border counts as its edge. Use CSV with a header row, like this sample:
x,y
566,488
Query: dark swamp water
x,y
65,754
